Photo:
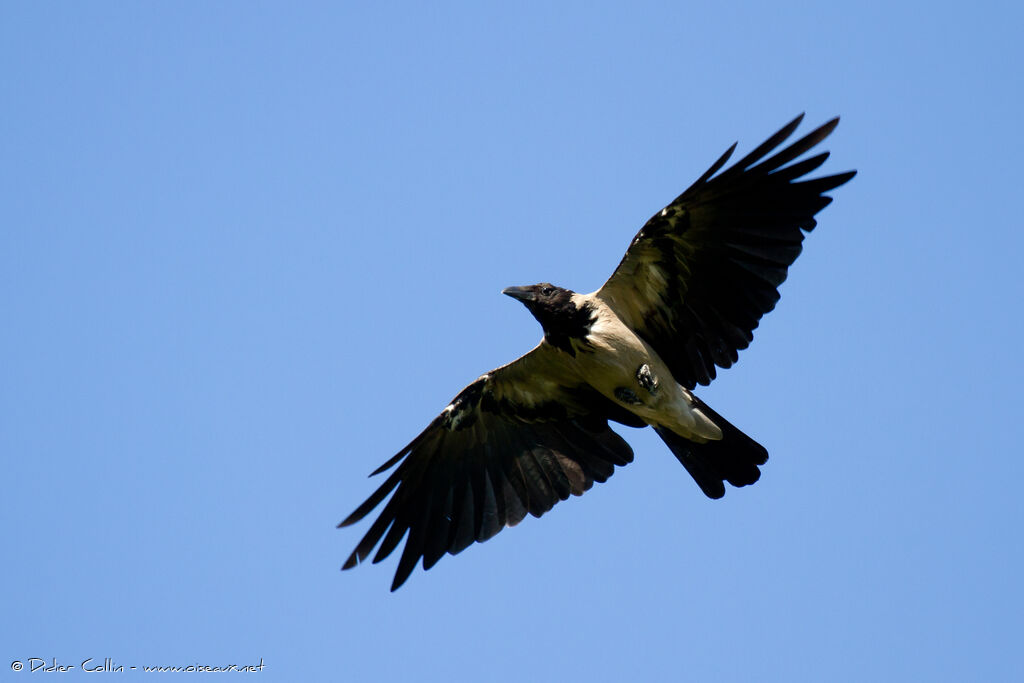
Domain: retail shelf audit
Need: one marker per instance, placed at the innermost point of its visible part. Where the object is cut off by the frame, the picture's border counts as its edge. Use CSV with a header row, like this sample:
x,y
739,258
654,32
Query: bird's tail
x,y
733,458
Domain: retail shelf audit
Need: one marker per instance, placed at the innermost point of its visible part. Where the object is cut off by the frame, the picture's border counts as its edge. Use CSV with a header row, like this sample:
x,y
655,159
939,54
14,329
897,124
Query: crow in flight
x,y
686,297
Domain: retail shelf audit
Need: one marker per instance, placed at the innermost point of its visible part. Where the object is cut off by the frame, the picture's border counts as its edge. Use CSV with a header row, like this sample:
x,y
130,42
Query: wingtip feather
x,y
765,147
717,165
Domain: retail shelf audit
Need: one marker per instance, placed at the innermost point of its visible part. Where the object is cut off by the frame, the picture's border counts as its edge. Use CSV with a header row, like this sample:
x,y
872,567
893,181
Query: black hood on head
x,y
562,318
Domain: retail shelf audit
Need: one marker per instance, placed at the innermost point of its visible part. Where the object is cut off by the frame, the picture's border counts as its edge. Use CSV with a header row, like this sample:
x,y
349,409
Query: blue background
x,y
248,250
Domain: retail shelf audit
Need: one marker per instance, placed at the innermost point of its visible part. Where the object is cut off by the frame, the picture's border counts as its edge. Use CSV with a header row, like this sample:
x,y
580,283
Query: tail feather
x,y
734,458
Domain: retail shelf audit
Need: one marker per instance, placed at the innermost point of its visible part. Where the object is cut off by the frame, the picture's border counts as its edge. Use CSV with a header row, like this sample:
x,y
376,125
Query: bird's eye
x,y
547,291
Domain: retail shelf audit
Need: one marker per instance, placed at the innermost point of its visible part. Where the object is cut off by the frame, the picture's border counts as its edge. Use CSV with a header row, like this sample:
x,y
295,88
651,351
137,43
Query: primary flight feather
x,y
685,298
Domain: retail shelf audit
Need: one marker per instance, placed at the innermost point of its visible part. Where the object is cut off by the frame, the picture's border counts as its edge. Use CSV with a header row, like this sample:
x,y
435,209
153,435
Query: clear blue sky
x,y
248,250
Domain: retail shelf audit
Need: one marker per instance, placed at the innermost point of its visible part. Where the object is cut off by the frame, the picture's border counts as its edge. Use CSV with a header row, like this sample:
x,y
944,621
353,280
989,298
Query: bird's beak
x,y
521,293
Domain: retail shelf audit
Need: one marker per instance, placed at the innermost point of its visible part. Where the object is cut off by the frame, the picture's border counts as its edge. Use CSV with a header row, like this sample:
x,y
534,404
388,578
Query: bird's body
x,y
684,300
613,359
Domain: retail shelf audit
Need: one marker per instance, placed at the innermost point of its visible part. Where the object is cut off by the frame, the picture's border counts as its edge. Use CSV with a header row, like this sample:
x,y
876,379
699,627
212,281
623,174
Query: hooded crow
x,y
686,298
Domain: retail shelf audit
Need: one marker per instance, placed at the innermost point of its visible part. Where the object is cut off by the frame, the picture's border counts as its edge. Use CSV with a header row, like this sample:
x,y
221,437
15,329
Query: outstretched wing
x,y
699,275
516,441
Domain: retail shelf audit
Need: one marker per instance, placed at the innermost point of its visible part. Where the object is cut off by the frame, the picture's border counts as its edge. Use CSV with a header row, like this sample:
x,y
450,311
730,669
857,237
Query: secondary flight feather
x,y
685,299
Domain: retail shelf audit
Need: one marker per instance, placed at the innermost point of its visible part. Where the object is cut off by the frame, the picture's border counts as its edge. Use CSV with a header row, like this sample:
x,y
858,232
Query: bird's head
x,y
541,299
555,309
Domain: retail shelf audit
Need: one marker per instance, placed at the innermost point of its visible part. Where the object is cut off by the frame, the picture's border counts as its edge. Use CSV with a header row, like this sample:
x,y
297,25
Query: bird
x,y
685,299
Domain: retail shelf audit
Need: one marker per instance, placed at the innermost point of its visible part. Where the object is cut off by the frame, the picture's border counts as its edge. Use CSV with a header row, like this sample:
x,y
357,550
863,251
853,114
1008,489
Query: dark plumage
x,y
685,298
